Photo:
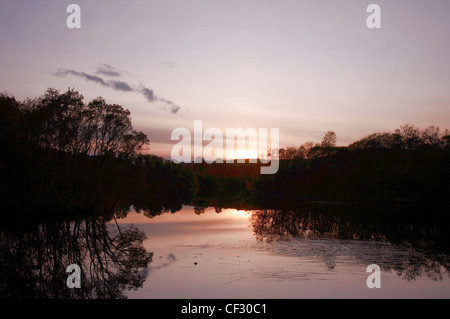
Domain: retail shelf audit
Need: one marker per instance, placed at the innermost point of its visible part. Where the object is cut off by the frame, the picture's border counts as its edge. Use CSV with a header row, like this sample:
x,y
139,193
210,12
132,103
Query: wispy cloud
x,y
174,108
148,94
151,97
168,64
109,70
120,86
88,77
116,85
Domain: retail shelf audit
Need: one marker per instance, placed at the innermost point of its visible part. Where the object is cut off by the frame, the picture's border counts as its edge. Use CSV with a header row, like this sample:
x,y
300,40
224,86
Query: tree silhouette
x,y
58,153
406,137
329,139
65,123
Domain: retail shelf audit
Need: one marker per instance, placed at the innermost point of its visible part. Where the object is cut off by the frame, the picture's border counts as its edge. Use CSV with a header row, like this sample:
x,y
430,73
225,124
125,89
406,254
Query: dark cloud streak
x,y
120,86
106,69
116,85
173,107
151,97
148,94
88,77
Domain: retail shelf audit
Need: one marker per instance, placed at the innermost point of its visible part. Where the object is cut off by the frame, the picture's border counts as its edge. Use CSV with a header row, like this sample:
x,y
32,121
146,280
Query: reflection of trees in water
x,y
270,225
411,250
434,267
34,262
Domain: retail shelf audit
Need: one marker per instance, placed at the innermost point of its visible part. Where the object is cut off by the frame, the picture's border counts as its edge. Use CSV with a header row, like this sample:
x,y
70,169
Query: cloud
x,y
148,94
120,86
168,64
173,107
151,97
88,77
116,85
109,70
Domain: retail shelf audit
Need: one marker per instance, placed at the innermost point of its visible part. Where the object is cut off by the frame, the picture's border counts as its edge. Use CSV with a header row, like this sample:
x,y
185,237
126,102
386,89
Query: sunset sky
x,y
302,66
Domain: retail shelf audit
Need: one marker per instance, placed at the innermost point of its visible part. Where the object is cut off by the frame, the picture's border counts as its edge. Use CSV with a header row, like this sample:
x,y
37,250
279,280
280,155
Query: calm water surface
x,y
199,253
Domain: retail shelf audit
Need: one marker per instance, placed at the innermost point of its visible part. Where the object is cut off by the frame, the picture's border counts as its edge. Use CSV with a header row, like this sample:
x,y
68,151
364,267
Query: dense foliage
x,y
58,153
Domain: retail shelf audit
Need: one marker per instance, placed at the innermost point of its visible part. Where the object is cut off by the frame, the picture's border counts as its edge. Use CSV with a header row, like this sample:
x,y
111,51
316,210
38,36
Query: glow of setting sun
x,y
245,154
241,213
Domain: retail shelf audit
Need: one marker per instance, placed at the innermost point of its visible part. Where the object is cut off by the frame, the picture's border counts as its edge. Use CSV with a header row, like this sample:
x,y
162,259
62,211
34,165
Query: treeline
x,y
59,154
407,167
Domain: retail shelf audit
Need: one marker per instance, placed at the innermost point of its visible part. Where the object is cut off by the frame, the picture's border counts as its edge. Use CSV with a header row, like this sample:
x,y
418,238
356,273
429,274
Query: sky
x,y
303,66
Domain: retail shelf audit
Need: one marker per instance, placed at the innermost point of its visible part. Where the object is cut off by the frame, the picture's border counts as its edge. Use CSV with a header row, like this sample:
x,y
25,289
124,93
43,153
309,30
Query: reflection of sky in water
x,y
217,256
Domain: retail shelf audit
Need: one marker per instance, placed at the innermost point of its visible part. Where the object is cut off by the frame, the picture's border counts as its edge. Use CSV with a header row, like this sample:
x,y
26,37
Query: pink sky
x,y
304,67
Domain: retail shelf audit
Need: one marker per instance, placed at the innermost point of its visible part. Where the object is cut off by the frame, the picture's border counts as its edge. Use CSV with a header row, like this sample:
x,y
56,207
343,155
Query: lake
x,y
249,254
316,251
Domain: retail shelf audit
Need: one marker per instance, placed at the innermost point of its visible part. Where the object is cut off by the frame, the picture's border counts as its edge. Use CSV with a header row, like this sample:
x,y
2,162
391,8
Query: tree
x,y
410,135
292,152
65,123
329,139
59,153
406,137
